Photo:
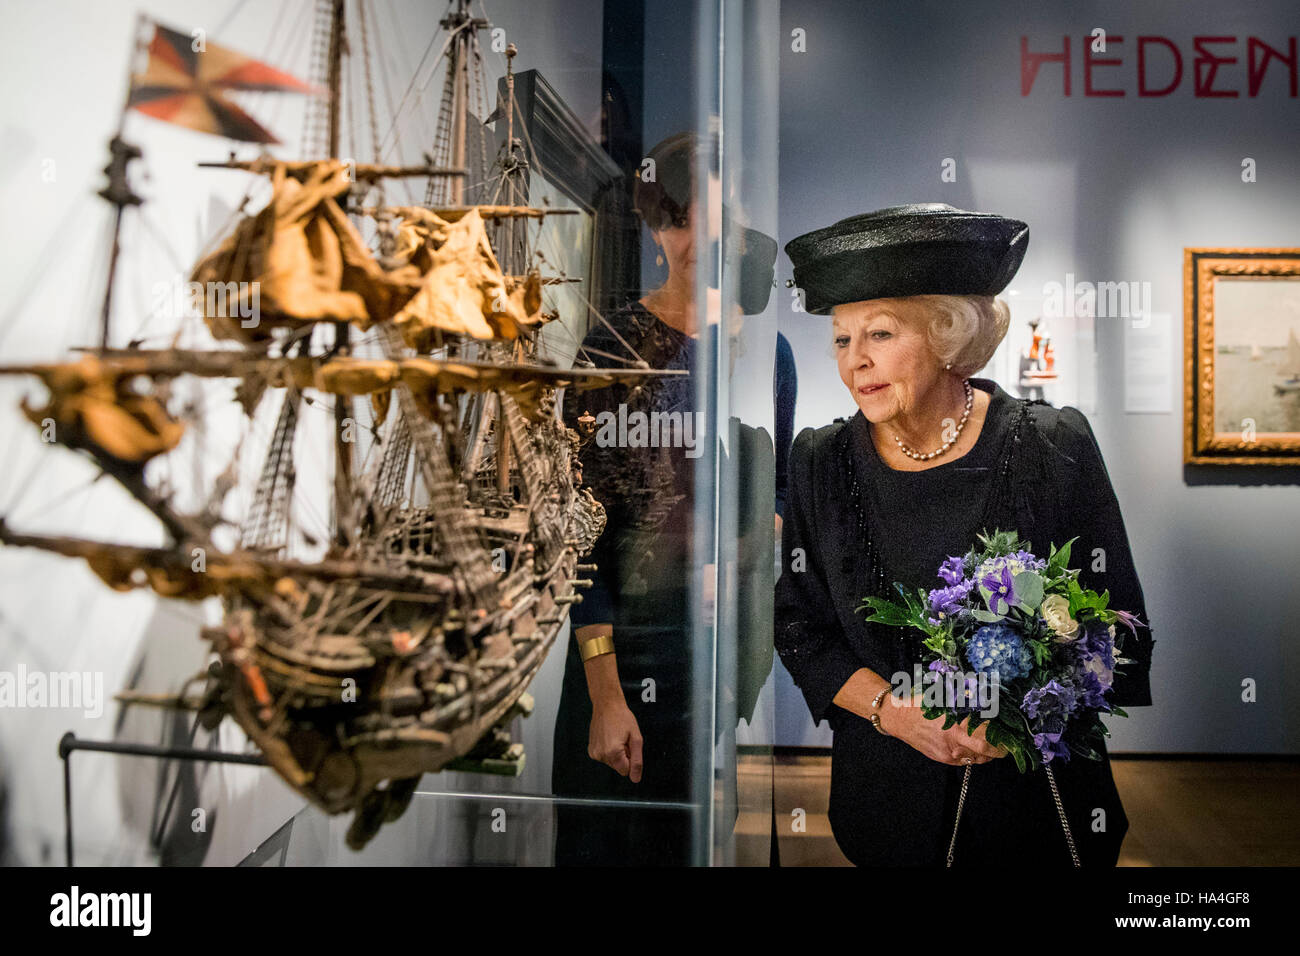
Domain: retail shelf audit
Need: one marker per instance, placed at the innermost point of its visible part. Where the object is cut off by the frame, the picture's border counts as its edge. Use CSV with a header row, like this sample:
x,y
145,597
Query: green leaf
x,y
1029,589
884,611
1077,598
1041,651
1060,558
992,734
987,616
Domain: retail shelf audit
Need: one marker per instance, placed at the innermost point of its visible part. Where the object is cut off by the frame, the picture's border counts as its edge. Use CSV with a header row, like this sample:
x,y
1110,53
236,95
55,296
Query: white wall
x,y
1113,189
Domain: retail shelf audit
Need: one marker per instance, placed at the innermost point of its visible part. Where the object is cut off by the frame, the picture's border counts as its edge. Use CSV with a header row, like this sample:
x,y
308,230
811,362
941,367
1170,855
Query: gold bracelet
x,y
595,647
874,716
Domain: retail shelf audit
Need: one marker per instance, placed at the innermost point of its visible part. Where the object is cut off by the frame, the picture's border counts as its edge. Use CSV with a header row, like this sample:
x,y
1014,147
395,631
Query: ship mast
x,y
460,96
118,191
342,330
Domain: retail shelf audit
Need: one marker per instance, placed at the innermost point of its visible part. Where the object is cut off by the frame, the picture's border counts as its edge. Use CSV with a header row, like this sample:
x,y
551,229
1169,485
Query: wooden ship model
x,y
455,554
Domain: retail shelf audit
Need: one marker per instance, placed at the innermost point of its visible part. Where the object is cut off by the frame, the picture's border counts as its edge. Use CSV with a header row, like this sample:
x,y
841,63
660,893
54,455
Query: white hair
x,y
964,329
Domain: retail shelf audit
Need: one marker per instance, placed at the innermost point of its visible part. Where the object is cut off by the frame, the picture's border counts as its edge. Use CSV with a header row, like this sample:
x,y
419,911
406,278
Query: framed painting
x,y
1241,385
596,250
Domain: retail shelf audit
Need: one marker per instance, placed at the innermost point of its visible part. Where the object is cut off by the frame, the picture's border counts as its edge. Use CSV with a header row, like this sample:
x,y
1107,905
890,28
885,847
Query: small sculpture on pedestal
x,y
1038,362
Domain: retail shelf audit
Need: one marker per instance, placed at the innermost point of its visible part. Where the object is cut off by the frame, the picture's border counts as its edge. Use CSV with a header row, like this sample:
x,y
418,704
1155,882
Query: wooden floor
x,y
1181,812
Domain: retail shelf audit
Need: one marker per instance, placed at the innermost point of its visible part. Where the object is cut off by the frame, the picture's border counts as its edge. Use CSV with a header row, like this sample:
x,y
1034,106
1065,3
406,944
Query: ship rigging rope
x,y
21,489
388,100
401,107
315,120
45,259
536,164
481,103
370,90
234,12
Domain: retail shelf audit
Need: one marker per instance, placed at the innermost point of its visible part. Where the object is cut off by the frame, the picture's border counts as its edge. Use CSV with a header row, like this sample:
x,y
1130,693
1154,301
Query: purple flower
x,y
1052,700
1130,621
1092,691
1095,643
1001,588
1051,746
950,600
1030,562
953,570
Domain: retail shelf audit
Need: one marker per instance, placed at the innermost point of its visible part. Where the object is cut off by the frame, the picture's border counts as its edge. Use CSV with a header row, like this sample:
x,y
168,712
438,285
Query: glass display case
x,y
623,163
706,788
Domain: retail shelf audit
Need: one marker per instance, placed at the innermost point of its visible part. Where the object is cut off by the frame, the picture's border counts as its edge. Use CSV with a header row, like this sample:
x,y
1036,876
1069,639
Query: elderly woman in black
x,y
932,458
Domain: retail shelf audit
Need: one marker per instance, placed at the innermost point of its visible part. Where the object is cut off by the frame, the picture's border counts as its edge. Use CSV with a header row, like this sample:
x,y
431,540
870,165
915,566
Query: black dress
x,y
854,526
641,587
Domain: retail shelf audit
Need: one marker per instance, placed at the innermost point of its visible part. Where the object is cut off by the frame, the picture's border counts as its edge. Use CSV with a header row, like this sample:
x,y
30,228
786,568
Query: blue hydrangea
x,y
998,651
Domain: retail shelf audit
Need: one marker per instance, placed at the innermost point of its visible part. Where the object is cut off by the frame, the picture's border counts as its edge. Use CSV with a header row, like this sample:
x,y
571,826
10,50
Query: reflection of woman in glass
x,y
933,457
622,732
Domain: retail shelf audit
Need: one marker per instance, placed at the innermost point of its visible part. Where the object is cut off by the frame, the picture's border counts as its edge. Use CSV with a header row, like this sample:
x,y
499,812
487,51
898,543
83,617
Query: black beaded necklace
x,y
876,579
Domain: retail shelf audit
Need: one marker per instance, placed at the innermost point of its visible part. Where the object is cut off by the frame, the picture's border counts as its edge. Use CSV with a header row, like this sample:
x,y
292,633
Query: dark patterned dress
x,y
642,589
862,525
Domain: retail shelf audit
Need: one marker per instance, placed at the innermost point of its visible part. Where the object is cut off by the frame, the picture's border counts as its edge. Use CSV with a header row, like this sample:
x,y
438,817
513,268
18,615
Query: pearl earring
x,y
659,259
947,367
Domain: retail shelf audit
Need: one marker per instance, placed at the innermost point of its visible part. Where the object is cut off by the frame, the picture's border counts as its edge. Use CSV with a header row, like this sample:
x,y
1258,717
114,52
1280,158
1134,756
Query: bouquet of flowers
x,y
1013,641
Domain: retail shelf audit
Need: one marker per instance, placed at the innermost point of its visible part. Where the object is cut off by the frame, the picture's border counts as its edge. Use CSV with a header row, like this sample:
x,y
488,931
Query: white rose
x,y
1056,612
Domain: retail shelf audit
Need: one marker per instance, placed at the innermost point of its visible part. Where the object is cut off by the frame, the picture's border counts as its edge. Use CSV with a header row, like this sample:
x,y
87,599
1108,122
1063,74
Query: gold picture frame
x,y
1241,377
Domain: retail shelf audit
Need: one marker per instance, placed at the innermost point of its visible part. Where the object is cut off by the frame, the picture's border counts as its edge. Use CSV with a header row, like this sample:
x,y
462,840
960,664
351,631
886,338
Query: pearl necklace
x,y
917,456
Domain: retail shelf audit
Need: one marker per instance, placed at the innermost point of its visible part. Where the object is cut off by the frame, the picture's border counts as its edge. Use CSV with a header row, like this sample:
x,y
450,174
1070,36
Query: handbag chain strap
x,y
961,802
1065,824
1056,797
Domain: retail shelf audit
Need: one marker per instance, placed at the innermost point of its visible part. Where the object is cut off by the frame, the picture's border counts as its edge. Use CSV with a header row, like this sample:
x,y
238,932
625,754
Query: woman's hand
x,y
903,719
615,738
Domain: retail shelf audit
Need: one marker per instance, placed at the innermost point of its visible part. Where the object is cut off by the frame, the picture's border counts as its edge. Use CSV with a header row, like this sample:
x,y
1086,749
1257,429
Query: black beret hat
x,y
920,249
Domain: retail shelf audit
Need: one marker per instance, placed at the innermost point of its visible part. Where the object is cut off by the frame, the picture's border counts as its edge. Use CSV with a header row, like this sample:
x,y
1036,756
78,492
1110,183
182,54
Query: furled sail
x,y
301,260
92,406
462,289
308,261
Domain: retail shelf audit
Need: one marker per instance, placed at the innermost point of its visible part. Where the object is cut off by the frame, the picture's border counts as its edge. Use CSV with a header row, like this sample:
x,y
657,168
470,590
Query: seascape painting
x,y
1256,354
